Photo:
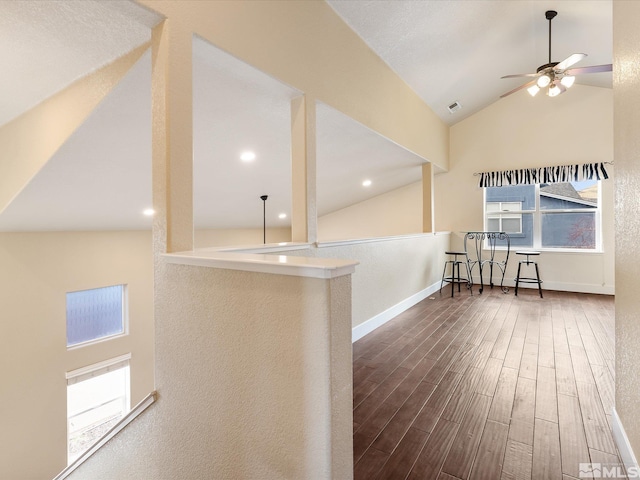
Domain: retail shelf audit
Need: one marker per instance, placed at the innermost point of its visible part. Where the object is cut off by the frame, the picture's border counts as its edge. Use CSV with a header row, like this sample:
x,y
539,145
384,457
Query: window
x,y
95,314
500,221
549,216
97,398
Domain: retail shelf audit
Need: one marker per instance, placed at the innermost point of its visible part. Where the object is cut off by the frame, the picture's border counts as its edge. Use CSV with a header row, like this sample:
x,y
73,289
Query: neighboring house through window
x,y
546,216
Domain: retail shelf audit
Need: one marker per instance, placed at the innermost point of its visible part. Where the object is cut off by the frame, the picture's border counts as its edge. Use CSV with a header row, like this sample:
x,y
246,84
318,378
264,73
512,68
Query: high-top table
x,y
476,241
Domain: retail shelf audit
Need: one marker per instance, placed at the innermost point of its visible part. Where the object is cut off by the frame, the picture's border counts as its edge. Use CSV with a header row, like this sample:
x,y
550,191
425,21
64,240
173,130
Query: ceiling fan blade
x,y
570,60
592,69
518,75
561,87
526,85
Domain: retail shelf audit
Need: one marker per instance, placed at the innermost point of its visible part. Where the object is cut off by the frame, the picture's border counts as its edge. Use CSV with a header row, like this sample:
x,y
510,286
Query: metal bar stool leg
x,y
528,262
518,277
453,276
538,277
444,272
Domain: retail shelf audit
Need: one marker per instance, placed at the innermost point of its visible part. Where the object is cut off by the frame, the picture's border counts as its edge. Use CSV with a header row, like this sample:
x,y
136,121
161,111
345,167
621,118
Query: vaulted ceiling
x,y
456,50
445,50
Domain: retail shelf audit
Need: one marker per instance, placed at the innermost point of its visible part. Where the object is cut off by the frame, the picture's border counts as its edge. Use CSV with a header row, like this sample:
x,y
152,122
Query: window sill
x,y
548,250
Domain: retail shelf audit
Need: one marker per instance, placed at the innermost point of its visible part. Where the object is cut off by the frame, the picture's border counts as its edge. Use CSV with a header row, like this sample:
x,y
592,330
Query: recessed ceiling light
x,y
366,183
282,215
248,156
148,212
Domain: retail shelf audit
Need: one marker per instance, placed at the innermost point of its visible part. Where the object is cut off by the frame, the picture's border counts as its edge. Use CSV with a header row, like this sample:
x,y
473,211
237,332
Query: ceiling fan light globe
x,y
568,80
543,81
533,90
554,91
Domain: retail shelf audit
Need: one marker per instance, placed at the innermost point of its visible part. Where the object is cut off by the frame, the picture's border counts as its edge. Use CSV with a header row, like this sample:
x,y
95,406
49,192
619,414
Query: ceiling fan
x,y
557,77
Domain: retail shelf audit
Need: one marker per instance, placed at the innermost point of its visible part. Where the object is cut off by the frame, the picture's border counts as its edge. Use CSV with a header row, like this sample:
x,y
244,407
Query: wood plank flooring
x,y
489,386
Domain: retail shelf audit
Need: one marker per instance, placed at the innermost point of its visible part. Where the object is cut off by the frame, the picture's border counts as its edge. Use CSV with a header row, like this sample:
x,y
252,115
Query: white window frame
x,y
537,221
501,214
97,369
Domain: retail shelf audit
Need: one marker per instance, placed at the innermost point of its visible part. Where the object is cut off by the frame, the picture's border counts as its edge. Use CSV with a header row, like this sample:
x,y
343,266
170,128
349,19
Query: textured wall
x,y
246,383
38,269
521,132
626,87
390,271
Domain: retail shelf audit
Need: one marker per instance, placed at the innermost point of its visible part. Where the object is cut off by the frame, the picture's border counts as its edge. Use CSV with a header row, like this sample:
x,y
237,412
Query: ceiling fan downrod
x,y
550,14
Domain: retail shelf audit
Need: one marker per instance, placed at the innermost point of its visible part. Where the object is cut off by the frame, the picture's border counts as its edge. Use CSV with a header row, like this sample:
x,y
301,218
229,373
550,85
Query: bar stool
x,y
527,262
455,271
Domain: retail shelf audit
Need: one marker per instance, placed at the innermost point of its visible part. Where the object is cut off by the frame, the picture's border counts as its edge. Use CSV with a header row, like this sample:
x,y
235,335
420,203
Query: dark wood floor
x,y
487,386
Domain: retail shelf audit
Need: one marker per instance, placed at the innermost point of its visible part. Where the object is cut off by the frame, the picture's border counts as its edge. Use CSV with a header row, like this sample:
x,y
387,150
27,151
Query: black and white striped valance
x,y
558,174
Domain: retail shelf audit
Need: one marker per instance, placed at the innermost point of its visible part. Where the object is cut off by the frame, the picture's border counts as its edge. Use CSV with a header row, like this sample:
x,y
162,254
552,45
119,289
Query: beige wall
x,y
393,213
38,269
224,237
521,132
245,380
626,78
408,266
242,365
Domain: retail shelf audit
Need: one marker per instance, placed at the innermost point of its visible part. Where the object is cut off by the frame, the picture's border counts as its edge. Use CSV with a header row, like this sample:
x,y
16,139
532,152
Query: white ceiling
x,y
349,153
47,44
237,108
100,179
457,50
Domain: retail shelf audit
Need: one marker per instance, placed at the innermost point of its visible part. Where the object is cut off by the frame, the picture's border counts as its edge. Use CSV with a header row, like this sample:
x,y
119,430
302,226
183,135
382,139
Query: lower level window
x,y
97,398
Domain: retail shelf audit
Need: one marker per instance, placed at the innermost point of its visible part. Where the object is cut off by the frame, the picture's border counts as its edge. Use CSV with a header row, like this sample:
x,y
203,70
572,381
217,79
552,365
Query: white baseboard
x,y
569,287
624,447
380,319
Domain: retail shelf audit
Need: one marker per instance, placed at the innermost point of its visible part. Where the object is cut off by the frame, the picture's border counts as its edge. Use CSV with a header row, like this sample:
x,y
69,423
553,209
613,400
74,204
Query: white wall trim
x,y
264,263
357,241
381,318
115,361
622,441
563,287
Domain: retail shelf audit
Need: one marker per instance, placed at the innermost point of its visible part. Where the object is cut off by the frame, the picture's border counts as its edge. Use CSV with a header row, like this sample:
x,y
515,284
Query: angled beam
x,y
30,140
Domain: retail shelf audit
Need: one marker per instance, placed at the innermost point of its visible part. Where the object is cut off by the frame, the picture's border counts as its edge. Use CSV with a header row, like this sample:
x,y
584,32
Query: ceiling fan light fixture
x,y
533,90
568,80
555,74
543,81
554,90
